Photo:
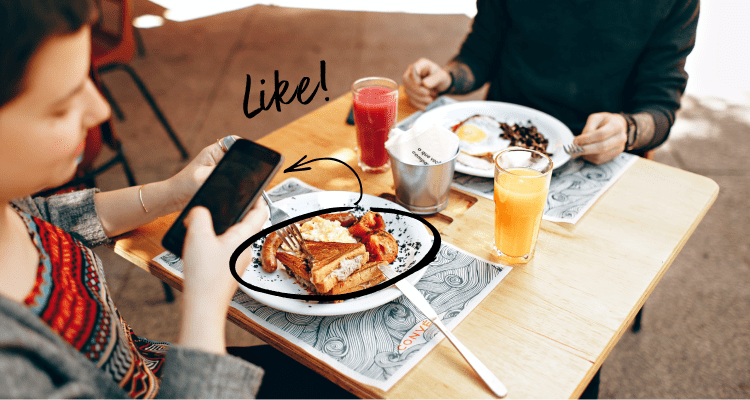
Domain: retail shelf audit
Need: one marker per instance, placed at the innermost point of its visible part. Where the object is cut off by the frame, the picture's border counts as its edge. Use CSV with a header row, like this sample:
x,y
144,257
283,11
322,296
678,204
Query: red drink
x,y
375,109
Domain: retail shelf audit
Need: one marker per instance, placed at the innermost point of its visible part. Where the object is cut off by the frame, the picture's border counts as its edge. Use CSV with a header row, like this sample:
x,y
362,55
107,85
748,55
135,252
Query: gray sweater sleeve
x,y
35,362
190,373
74,212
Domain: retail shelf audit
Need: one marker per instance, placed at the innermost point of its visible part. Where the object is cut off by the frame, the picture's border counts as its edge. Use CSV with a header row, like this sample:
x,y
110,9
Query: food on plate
x,y
346,264
332,263
325,230
268,252
381,246
367,276
480,134
481,137
369,222
345,219
527,137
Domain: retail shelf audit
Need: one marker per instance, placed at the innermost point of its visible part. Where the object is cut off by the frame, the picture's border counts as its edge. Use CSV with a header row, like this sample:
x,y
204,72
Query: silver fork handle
x,y
265,197
487,376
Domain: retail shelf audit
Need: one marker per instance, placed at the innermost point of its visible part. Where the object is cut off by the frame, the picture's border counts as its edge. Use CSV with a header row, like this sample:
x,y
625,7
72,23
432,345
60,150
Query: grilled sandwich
x,y
332,264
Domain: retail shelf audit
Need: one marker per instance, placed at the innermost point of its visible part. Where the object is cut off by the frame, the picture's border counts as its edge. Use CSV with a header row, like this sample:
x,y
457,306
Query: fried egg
x,y
480,135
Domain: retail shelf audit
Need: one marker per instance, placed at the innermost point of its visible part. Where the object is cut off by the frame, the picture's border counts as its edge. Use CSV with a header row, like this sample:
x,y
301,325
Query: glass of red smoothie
x,y
375,110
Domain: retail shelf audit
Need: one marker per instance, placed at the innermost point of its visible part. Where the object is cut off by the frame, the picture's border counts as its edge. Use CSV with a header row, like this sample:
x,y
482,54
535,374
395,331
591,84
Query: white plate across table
x,y
412,237
555,131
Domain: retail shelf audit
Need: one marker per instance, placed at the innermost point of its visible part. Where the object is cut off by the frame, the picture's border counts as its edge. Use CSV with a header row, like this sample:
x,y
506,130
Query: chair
x,y
113,45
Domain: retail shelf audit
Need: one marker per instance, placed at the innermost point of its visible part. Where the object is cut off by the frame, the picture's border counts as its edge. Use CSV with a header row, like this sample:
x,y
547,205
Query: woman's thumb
x,y
199,222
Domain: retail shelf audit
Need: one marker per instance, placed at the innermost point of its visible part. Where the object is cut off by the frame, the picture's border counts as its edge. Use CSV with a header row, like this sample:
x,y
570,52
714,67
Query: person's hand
x,y
208,283
603,138
422,82
186,182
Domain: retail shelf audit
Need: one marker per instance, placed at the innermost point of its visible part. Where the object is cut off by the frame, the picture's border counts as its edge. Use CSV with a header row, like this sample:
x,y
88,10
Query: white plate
x,y
555,131
412,237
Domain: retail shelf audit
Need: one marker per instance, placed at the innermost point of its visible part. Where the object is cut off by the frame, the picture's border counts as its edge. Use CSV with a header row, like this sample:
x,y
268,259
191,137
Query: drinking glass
x,y
522,179
375,110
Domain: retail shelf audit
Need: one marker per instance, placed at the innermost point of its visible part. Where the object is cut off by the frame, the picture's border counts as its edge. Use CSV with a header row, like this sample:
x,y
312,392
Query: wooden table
x,y
549,325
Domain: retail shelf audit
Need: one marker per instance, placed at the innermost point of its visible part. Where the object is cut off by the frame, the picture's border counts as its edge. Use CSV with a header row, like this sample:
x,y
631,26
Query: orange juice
x,y
520,196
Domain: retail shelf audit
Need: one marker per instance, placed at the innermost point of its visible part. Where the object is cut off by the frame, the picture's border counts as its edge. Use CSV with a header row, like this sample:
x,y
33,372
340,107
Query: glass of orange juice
x,y
522,179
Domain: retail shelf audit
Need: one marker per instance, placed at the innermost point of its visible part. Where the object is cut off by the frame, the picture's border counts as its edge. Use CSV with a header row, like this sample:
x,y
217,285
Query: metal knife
x,y
421,303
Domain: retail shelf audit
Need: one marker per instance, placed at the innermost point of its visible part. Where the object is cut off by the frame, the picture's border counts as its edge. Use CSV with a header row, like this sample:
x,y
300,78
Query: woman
x,y
60,334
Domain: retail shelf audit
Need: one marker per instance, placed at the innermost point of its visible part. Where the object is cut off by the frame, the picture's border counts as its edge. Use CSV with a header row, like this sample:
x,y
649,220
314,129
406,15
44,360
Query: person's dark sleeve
x,y
483,42
660,76
190,373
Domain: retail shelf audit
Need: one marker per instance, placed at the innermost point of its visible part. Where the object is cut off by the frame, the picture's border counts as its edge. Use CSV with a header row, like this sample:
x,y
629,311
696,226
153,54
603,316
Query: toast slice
x,y
367,276
297,267
332,263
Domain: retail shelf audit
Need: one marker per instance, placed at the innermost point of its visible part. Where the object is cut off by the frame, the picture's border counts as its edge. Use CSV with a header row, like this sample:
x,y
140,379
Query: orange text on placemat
x,y
414,336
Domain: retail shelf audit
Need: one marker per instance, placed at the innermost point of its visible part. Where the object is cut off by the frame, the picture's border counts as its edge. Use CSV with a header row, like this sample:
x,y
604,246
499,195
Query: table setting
x,y
374,339
511,283
576,184
377,338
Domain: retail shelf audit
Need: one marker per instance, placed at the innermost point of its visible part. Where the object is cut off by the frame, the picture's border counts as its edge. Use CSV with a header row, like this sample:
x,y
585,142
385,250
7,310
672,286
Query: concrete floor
x,y
695,340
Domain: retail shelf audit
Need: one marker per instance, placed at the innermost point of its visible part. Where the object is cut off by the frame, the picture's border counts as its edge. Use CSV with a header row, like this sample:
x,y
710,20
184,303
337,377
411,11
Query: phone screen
x,y
230,190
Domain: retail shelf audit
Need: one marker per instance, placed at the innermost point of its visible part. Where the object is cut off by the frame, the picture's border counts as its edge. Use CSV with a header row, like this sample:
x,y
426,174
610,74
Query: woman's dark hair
x,y
25,25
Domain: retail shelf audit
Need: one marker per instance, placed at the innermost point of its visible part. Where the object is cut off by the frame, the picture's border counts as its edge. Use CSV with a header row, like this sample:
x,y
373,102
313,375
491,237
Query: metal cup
x,y
423,189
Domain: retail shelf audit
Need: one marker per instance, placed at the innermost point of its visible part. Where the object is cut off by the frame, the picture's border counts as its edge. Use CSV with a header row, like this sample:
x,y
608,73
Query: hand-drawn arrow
x,y
298,164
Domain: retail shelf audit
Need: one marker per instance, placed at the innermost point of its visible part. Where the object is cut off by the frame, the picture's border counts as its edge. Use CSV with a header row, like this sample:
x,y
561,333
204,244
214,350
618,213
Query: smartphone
x,y
231,189
350,117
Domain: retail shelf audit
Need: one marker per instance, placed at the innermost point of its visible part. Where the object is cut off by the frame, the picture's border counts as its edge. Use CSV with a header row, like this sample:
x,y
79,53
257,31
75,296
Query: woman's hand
x,y
603,138
209,285
186,182
125,209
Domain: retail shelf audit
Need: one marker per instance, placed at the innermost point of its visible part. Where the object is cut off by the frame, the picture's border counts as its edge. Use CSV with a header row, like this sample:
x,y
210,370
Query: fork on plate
x,y
290,234
573,149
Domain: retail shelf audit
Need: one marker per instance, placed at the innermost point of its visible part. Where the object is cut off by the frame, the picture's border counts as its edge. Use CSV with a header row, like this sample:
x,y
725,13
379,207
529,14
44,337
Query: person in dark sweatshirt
x,y
612,71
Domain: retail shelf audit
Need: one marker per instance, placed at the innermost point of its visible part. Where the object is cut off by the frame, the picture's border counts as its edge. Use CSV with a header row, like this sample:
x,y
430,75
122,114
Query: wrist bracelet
x,y
140,194
453,79
630,122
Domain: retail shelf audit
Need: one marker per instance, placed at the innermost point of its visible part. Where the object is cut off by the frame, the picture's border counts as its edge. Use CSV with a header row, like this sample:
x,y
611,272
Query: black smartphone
x,y
231,189
350,117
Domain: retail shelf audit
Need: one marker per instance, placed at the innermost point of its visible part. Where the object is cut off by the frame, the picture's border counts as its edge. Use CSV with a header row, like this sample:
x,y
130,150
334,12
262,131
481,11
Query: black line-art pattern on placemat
x,y
371,342
576,185
290,187
380,345
573,187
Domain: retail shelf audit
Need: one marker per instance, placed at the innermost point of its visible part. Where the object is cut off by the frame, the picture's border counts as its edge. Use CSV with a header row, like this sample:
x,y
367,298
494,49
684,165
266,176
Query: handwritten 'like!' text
x,y
280,88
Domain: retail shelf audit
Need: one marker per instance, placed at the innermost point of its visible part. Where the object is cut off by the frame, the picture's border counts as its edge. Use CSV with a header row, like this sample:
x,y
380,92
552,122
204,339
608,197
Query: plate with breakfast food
x,y
347,250
484,128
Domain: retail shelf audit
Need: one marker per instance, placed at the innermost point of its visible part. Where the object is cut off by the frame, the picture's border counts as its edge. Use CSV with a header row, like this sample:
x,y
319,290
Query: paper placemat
x,y
574,187
379,346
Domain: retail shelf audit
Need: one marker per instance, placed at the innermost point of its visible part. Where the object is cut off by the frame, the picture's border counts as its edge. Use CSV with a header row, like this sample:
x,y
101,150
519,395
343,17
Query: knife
x,y
422,305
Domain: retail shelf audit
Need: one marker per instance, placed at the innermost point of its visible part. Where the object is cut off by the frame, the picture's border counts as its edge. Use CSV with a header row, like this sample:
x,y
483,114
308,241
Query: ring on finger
x,y
226,142
221,145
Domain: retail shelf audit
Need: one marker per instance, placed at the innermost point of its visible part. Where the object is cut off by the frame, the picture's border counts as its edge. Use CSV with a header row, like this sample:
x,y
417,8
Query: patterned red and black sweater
x,y
71,299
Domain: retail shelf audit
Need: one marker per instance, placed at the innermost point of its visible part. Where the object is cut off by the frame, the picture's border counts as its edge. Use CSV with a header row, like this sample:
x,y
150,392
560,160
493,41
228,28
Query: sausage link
x,y
268,252
346,219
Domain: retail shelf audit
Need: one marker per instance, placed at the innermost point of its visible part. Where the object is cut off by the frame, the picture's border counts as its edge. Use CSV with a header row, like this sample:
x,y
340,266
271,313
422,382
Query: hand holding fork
x,y
573,149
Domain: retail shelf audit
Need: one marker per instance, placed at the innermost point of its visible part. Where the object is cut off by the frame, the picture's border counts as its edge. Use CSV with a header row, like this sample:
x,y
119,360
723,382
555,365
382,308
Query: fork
x,y
290,234
573,149
277,214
